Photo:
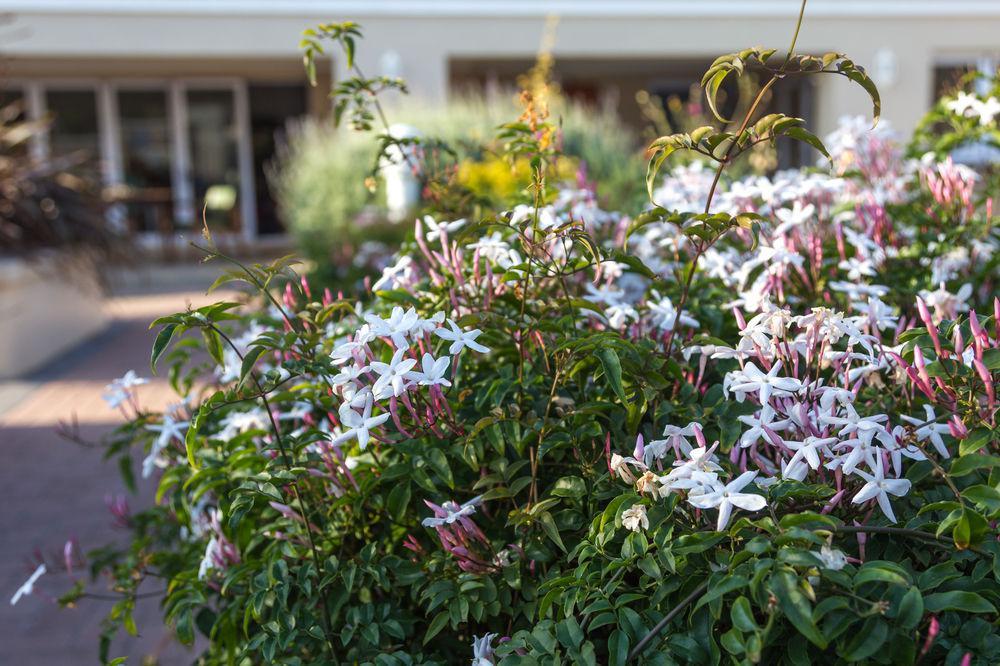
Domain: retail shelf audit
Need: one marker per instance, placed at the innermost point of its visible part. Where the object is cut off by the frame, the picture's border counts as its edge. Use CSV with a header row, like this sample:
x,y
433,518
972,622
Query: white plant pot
x,y
44,312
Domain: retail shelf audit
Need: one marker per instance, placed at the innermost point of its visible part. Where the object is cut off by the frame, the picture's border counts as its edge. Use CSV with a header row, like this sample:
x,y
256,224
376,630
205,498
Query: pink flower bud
x,y
925,316
932,632
639,452
957,428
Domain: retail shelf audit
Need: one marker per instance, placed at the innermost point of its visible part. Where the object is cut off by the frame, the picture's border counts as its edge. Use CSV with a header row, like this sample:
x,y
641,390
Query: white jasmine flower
x,y
118,391
809,450
665,316
482,651
392,375
796,217
349,374
453,511
461,339
879,488
236,423
763,419
620,314
831,558
428,325
358,426
724,498
864,427
674,436
946,304
434,228
752,380
171,429
634,518
963,103
28,587
433,370
928,430
345,351
397,275
619,467
397,327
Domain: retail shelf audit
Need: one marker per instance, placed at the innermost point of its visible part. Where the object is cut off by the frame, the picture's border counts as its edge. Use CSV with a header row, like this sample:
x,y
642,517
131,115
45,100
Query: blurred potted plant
x,y
54,241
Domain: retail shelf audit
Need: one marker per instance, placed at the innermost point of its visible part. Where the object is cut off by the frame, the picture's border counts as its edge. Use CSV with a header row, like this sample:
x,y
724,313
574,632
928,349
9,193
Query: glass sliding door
x,y
145,149
214,170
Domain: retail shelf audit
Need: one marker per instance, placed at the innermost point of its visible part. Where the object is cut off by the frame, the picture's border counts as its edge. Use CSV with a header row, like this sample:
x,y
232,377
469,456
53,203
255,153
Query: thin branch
x,y
674,612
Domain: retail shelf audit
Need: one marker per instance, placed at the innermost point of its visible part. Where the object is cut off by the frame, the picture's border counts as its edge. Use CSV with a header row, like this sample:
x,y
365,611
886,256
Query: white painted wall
x,y
426,33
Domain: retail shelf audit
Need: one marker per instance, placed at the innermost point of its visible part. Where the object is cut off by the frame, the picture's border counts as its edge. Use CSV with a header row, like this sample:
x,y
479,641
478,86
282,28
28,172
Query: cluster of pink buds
x,y
970,352
120,513
460,536
952,186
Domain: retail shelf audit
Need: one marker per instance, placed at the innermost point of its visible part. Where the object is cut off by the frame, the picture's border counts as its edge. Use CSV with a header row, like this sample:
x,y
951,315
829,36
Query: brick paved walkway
x,y
54,490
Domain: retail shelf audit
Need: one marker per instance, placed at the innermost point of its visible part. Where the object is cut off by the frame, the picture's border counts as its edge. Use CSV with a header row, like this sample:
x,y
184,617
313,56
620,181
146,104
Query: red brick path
x,y
53,490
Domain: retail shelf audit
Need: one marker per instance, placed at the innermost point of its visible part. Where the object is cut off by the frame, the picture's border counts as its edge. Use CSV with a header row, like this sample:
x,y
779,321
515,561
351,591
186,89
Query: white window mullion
x,y
110,146
35,107
180,155
244,156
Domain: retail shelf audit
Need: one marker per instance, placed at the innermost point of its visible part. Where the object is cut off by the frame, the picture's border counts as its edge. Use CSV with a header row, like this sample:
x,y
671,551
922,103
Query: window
x,y
145,145
214,159
271,107
73,131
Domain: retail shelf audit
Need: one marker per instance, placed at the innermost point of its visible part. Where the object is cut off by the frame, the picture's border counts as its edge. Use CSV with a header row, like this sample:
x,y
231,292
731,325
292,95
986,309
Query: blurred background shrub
x,y
321,175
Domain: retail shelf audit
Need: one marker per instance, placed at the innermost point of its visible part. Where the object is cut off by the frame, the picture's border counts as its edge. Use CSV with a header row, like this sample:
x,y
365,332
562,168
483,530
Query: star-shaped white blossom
x,y
461,339
753,380
725,497
392,375
358,426
879,488
433,370
929,430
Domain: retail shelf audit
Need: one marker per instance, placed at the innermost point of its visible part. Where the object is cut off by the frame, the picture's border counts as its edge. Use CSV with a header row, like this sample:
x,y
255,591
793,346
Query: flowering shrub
x,y
755,423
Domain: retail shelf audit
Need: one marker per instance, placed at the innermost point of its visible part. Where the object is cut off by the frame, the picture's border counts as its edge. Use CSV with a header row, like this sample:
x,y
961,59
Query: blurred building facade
x,y
180,100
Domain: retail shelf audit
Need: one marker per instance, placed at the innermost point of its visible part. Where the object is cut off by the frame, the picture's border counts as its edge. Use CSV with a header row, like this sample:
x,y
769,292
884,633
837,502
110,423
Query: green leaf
x,y
160,344
977,439
213,344
436,625
721,588
569,633
618,645
983,495
968,602
548,524
612,370
191,437
569,486
970,463
867,641
653,168
249,360
398,500
742,615
858,75
712,91
439,461
802,134
911,608
970,529
795,605
877,571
